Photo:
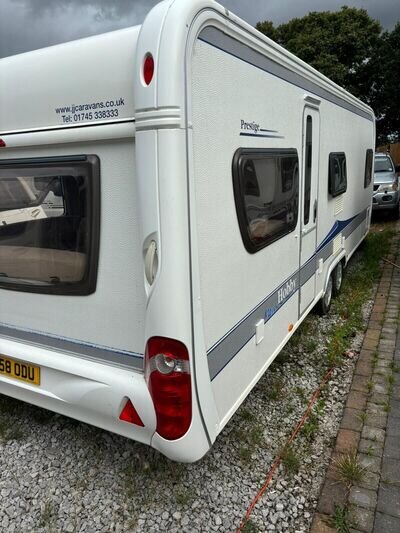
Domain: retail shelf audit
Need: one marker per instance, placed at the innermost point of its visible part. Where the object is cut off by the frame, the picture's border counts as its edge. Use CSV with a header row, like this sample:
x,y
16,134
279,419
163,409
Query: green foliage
x,y
386,94
341,519
349,469
350,48
338,44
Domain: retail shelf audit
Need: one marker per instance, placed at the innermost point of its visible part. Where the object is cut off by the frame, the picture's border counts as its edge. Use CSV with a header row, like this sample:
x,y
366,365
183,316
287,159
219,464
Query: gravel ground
x,y
61,475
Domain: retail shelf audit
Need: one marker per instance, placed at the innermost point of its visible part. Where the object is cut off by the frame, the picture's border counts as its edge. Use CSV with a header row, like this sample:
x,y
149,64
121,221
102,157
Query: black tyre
x,y
337,279
325,302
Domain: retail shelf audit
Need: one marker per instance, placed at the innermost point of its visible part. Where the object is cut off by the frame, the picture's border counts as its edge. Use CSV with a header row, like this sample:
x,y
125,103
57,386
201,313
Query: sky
x,y
30,24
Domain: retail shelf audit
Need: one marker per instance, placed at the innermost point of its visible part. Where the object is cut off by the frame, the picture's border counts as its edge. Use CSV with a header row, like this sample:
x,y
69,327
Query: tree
x,y
386,90
344,45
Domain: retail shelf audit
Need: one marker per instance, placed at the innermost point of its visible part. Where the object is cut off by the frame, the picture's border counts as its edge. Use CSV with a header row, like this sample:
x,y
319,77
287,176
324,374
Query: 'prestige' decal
x,y
253,129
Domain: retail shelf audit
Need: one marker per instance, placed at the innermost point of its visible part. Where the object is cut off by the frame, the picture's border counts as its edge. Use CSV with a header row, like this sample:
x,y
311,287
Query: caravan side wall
x,y
241,100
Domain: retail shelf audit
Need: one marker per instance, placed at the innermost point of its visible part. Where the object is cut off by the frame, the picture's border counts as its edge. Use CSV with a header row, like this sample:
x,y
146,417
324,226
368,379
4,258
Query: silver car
x,y
386,194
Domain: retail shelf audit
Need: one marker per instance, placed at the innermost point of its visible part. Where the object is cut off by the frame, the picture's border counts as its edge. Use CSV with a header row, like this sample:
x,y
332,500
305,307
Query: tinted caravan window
x,y
49,225
307,170
337,173
369,161
266,184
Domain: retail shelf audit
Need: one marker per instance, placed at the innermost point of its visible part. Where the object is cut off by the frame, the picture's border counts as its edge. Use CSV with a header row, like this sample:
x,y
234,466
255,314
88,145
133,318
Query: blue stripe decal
x,y
226,348
337,228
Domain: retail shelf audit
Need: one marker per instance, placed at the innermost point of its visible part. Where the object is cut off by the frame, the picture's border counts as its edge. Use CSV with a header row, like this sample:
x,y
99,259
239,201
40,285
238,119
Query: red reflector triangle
x,y
129,414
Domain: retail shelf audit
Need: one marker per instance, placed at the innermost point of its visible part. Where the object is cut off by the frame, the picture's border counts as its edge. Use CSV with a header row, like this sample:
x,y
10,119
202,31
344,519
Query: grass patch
x,y
355,291
349,469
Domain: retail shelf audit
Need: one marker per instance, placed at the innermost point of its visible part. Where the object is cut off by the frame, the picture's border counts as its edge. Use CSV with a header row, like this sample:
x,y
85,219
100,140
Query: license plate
x,y
19,370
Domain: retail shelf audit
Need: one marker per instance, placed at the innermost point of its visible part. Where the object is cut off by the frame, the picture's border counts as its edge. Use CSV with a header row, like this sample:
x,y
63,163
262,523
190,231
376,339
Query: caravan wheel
x,y
337,278
325,302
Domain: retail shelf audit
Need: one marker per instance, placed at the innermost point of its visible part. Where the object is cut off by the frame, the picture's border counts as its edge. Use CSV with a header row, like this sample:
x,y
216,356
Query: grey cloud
x,y
29,24
102,9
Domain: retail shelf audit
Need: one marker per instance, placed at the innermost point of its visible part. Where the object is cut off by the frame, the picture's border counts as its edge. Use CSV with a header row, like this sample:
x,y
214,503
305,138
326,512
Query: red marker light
x,y
2,143
148,69
129,414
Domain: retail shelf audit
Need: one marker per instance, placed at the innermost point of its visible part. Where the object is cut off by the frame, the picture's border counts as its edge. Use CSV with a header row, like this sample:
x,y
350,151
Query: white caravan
x,y
184,192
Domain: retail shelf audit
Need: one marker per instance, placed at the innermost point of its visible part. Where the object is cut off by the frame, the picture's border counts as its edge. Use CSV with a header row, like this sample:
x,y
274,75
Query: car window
x,y
383,164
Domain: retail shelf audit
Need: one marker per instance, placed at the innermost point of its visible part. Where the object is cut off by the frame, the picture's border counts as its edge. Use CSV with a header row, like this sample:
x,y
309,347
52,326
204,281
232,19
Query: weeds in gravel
x,y
9,432
290,460
274,390
48,515
341,519
349,469
249,527
184,496
246,415
386,407
249,439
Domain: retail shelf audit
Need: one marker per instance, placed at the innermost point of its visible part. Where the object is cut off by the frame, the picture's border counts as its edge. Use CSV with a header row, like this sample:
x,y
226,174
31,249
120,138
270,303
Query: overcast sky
x,y
29,24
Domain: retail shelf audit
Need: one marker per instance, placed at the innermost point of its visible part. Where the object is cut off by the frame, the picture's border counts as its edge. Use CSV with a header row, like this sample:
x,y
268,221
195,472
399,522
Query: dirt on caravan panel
x,y
171,270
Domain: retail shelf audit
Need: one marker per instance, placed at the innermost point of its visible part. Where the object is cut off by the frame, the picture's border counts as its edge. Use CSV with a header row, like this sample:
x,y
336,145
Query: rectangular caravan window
x,y
266,184
369,161
307,170
337,173
49,224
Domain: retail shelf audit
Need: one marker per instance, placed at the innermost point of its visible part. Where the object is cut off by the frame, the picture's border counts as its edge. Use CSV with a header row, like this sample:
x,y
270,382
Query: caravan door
x,y
309,207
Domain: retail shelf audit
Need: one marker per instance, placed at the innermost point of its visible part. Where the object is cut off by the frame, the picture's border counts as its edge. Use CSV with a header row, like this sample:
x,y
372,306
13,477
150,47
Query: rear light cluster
x,y
167,372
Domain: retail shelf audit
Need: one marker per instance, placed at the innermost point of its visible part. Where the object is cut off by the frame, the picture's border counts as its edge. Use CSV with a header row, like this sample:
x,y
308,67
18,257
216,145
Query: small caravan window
x,y
266,184
307,170
337,173
369,161
49,224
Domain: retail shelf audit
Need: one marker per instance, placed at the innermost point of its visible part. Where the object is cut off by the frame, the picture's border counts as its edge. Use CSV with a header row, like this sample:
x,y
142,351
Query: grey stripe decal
x,y
308,270
226,348
226,43
83,351
233,343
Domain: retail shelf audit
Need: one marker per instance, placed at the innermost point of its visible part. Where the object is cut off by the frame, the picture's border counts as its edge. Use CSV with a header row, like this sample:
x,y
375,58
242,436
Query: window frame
x,y
332,191
369,153
250,246
87,285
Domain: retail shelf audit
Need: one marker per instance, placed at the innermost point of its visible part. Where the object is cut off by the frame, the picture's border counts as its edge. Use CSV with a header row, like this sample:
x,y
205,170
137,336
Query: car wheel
x,y
337,278
325,302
